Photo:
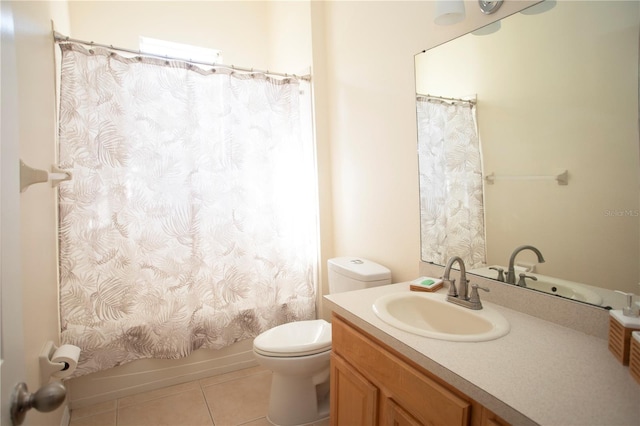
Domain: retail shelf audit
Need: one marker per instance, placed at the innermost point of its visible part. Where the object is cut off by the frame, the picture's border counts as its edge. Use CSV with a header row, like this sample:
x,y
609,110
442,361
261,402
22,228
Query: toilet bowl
x,y
298,352
298,355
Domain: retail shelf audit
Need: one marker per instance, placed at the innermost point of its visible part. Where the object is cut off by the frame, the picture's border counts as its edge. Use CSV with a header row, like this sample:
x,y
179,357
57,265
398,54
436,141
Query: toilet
x,y
298,352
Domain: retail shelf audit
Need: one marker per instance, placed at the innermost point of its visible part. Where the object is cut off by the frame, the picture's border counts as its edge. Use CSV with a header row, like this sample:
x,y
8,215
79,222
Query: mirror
x,y
556,90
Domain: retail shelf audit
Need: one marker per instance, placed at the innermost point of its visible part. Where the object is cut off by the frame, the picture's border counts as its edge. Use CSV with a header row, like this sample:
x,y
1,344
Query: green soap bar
x,y
427,282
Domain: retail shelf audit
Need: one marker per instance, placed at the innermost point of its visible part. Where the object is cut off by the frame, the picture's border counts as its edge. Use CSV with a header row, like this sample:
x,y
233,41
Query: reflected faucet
x,y
522,282
511,273
500,273
459,295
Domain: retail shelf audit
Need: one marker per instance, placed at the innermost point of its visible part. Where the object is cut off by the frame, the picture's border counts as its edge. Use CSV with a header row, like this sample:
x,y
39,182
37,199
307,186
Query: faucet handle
x,y
474,299
475,287
500,273
453,292
522,282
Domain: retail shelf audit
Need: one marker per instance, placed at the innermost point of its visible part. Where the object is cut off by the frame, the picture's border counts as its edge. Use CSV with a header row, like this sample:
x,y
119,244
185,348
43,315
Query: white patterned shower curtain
x,y
191,219
451,192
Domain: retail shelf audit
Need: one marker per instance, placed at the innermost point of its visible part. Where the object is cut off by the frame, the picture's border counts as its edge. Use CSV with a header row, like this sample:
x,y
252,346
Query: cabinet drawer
x,y
426,400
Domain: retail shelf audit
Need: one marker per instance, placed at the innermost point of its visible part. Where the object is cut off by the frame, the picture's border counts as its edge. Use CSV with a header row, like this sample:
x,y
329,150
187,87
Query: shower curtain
x,y
451,191
190,221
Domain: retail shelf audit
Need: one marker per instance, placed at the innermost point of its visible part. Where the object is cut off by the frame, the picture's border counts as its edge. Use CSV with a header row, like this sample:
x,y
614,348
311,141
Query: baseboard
x,y
147,375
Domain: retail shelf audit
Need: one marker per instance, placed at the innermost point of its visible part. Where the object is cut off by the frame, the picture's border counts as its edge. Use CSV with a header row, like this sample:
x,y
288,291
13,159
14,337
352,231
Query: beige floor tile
x,y
220,378
91,410
182,409
324,422
239,401
262,421
158,393
107,418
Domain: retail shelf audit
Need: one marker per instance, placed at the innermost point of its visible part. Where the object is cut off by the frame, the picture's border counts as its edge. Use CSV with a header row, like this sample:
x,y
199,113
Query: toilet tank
x,y
354,273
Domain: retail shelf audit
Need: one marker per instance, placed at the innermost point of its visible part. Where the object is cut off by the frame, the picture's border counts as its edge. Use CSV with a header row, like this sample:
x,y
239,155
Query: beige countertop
x,y
539,373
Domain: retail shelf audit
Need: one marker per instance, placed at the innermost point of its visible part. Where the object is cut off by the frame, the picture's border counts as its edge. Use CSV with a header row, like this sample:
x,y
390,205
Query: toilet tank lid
x,y
359,268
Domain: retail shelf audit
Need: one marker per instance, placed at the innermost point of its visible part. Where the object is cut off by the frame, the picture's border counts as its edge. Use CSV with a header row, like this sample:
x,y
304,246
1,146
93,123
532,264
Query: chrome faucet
x,y
459,295
511,273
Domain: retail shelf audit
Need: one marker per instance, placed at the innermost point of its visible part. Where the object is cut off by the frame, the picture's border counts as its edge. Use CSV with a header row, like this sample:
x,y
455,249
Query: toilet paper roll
x,y
69,355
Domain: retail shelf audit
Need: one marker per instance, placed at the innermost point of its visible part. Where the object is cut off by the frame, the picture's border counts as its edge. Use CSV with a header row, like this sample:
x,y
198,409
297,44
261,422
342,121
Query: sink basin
x,y
430,315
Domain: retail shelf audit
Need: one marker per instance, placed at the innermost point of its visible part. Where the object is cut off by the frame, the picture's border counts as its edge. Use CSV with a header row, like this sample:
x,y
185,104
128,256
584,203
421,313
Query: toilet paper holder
x,y
47,367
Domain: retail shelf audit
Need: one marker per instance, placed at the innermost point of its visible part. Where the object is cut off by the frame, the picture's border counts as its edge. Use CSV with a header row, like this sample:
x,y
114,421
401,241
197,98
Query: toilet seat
x,y
293,339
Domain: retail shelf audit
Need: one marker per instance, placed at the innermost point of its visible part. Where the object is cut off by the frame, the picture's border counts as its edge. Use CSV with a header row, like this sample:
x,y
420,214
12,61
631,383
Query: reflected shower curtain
x,y
451,197
190,221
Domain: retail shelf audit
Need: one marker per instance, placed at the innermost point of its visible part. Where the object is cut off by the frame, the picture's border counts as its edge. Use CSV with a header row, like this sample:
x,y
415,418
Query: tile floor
x,y
232,399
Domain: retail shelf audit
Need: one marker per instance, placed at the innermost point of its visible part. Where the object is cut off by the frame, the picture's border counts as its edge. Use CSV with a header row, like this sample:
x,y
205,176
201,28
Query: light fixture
x,y
487,29
449,12
539,8
489,7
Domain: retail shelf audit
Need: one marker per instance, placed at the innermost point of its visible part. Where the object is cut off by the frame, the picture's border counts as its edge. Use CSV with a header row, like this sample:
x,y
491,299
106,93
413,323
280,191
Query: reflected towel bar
x,y
29,176
562,178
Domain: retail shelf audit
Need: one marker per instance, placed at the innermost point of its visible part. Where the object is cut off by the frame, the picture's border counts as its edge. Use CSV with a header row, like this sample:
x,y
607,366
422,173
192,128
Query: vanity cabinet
x,y
371,384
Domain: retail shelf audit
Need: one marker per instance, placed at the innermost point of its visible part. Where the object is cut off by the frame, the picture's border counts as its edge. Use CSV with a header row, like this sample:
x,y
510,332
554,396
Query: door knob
x,y
47,398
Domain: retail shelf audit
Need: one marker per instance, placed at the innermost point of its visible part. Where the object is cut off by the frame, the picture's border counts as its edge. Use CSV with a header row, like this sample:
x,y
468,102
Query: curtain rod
x,y
441,98
60,38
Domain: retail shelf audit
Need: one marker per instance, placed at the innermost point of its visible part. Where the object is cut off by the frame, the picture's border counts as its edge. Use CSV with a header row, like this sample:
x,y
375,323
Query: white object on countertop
x,y
631,310
626,321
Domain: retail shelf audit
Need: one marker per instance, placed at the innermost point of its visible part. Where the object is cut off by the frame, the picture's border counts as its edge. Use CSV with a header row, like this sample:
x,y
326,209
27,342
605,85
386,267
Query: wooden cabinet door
x,y
491,419
395,415
423,397
353,397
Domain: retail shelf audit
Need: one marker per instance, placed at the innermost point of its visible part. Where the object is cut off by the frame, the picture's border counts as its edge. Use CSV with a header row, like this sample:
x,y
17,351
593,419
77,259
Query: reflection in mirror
x,y
548,93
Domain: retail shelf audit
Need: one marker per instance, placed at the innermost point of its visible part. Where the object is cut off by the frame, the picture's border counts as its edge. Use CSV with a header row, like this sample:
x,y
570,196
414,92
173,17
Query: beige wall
x,y
239,29
289,36
367,112
370,111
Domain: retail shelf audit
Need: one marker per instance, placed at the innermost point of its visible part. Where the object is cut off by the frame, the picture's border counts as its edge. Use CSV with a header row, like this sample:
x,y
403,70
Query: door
x,y
12,365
